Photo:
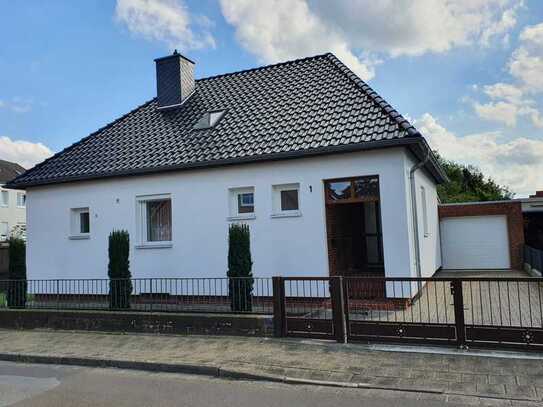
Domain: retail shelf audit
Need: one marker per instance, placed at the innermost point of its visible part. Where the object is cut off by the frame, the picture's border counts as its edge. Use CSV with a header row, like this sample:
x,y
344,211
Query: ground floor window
x,y
154,220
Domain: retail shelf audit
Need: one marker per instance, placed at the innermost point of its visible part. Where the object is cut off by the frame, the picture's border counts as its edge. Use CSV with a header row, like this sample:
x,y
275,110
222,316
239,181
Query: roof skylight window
x,y
209,119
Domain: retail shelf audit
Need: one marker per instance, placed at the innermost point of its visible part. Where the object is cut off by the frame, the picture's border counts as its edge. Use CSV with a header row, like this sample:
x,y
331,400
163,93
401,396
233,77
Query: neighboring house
x,y
12,202
308,155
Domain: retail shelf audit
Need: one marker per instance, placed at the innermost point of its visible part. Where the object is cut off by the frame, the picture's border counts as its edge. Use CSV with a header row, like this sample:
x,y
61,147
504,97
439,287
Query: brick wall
x,y
515,222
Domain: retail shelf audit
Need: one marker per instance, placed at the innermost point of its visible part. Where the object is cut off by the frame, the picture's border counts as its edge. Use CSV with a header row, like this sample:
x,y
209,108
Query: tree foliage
x,y
118,270
468,184
240,284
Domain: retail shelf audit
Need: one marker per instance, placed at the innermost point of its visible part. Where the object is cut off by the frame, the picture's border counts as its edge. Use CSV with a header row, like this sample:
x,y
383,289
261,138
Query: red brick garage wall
x,y
515,222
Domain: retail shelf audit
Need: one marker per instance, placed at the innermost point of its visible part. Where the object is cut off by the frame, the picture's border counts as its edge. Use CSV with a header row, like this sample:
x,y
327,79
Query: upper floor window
x,y
79,223
4,198
154,220
21,199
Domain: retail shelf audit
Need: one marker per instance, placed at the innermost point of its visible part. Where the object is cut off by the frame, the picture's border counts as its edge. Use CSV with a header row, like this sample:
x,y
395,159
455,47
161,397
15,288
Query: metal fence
x,y
495,312
533,257
239,295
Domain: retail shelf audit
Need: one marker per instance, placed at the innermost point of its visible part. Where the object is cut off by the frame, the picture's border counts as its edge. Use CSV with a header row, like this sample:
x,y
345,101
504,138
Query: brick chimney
x,y
174,80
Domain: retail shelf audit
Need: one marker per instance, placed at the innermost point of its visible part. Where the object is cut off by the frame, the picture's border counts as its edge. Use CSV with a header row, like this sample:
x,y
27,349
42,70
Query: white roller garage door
x,y
475,242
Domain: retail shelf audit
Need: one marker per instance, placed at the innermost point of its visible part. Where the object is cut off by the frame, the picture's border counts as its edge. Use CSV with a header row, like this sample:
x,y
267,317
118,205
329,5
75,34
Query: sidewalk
x,y
286,360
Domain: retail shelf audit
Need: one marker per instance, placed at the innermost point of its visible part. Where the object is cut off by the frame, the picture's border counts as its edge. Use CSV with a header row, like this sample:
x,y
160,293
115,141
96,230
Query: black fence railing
x,y
239,295
496,312
534,258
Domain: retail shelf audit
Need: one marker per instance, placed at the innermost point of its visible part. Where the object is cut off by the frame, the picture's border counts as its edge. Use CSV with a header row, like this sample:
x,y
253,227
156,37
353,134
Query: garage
x,y
475,242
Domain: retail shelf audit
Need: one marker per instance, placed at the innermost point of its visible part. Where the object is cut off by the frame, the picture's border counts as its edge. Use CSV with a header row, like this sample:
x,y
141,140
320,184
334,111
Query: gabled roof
x,y
305,107
9,171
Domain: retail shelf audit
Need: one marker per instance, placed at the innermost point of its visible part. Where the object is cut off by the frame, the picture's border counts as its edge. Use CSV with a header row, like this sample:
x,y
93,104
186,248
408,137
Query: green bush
x,y
240,284
16,293
118,270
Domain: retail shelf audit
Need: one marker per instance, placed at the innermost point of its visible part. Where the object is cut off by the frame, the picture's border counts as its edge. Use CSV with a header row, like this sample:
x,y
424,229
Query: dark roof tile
x,y
303,106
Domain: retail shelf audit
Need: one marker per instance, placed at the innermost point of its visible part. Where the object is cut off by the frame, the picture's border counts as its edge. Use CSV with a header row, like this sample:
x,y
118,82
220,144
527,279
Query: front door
x,y
353,223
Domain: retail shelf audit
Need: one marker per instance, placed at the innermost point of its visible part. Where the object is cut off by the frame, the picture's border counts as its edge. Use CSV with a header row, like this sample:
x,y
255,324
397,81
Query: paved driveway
x,y
506,303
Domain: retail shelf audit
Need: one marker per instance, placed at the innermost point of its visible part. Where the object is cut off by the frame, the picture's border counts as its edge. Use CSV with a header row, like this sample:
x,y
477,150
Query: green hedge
x,y
118,270
240,284
16,293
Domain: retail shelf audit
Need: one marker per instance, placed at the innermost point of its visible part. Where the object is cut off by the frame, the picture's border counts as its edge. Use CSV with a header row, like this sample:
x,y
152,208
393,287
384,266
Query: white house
x,y
323,170
12,202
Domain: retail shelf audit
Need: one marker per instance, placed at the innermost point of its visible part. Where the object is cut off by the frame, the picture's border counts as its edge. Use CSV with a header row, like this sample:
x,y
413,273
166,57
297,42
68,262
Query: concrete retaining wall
x,y
212,324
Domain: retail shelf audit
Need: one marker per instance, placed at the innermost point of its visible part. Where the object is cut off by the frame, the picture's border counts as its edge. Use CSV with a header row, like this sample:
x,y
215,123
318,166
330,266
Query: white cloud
x,y
415,27
503,112
167,21
510,100
515,163
23,152
17,105
276,30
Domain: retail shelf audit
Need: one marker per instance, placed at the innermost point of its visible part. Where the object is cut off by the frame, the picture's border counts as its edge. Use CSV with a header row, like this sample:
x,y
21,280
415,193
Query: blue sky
x,y
466,72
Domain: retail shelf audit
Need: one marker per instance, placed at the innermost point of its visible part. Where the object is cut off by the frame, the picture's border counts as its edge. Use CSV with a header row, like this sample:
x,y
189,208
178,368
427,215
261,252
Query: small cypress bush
x,y
240,284
118,270
16,294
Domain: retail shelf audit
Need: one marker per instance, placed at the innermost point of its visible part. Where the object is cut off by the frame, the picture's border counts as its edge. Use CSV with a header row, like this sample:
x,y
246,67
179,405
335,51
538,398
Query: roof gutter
x,y
364,146
414,214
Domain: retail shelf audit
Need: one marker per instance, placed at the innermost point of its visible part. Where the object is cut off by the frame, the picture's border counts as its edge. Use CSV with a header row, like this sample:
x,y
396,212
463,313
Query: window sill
x,y
21,207
249,216
291,214
79,237
163,245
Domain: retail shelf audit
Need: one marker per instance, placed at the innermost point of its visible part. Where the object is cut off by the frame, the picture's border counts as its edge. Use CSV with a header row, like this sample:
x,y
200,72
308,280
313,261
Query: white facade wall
x,y
429,243
294,246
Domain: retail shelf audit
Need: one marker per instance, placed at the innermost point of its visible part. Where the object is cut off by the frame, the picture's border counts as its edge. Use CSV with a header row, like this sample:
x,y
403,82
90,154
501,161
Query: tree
x,y
16,295
240,283
118,270
468,183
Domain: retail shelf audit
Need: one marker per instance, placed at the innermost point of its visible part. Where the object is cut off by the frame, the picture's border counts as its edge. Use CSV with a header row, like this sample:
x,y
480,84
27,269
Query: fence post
x,y
458,300
279,314
337,298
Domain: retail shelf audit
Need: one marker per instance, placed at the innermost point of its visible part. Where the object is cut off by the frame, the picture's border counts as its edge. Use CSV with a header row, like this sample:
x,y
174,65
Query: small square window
x,y
289,200
246,202
285,200
79,223
242,203
21,199
4,198
154,221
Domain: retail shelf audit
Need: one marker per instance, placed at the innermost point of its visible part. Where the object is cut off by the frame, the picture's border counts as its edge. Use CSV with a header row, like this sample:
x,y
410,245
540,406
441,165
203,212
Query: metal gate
x,y
465,312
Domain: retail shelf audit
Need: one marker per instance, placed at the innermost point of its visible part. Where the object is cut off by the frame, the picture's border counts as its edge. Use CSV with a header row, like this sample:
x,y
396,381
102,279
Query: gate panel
x,y
411,310
312,307
504,312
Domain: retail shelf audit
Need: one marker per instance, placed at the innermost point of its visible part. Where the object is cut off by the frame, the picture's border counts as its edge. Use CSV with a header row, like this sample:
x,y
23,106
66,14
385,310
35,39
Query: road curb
x,y
217,371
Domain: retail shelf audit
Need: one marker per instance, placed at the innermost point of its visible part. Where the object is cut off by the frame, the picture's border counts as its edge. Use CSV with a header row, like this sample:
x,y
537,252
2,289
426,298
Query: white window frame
x,y
4,203
141,222
424,212
233,194
277,211
75,223
19,194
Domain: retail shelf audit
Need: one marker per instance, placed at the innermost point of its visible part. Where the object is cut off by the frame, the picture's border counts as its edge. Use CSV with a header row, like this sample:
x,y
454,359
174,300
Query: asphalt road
x,y
50,385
